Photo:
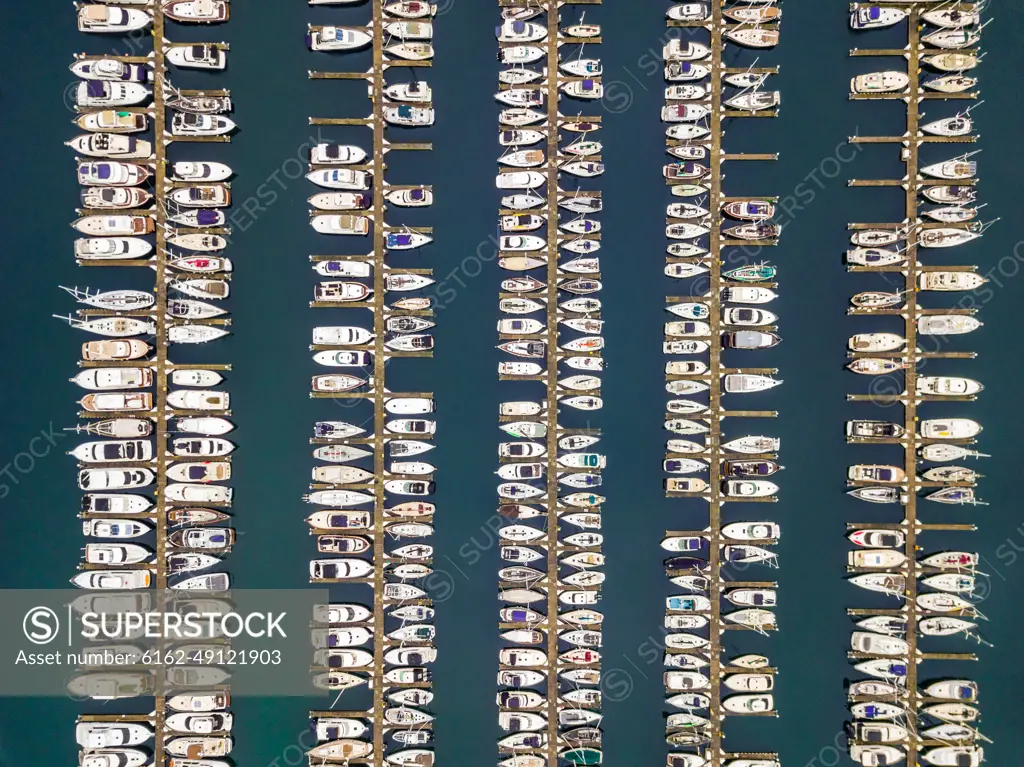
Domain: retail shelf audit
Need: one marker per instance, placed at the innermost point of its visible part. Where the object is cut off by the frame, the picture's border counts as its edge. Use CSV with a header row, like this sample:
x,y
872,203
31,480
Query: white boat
x,y
112,19
104,93
683,113
199,56
340,224
202,196
112,121
340,178
410,51
954,756
688,12
513,31
111,174
959,125
111,69
188,124
754,101
947,324
197,11
952,38
948,386
752,37
340,201
103,735
874,17
684,50
417,91
415,197
520,54
117,580
410,116
950,281
409,9
880,82
200,171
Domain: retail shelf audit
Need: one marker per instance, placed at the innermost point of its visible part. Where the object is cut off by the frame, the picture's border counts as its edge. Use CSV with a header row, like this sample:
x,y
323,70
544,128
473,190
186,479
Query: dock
x,y
164,271
375,313
913,227
555,499
716,418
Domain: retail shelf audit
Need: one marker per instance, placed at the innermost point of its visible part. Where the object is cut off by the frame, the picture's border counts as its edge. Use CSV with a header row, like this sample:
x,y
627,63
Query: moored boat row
x,y
154,452
371,509
905,710
713,465
550,332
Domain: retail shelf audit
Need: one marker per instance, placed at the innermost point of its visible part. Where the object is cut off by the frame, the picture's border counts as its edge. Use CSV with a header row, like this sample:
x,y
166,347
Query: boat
x,y
684,50
112,19
340,224
954,83
880,82
876,342
749,339
954,756
345,179
958,125
952,38
197,11
111,174
753,14
751,37
115,145
874,17
948,386
199,56
409,116
200,171
112,121
688,12
188,124
202,196
116,580
951,61
950,281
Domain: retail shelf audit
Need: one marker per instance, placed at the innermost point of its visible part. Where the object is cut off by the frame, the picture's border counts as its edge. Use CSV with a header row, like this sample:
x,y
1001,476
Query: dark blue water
x,y
267,75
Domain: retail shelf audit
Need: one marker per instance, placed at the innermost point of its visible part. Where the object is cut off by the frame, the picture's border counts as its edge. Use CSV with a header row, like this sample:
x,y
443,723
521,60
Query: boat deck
x,y
378,392
912,183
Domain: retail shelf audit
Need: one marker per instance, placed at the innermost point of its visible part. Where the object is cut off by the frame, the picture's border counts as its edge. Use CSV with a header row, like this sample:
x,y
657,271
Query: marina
x,y
268,345
371,504
896,647
721,316
157,540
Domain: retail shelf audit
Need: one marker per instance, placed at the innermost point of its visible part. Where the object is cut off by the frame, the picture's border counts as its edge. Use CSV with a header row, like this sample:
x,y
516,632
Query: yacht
x,y
199,56
112,19
197,11
112,121
104,93
880,82
874,17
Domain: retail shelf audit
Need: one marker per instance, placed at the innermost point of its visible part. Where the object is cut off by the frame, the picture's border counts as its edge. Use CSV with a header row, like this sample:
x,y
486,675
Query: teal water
x,y
267,74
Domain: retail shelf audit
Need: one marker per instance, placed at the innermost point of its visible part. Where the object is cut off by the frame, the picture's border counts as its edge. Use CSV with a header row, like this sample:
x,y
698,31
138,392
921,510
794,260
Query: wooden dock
x,y
913,184
377,392
160,363
551,625
713,750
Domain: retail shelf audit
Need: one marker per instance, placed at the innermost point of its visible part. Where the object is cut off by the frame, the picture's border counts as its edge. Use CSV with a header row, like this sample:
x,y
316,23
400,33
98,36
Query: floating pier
x,y
913,233
710,423
376,391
